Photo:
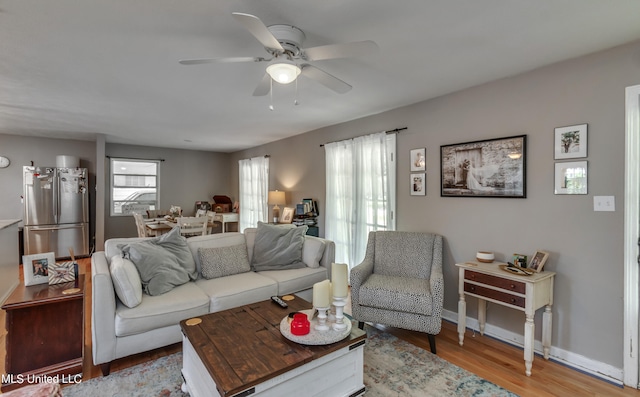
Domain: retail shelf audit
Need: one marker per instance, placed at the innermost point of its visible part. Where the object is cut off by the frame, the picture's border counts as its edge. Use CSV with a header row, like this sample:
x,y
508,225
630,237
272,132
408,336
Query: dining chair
x,y
140,225
193,226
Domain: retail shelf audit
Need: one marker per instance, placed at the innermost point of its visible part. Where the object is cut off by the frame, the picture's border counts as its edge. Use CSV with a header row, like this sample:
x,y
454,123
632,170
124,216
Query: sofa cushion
x,y
277,248
295,280
155,312
212,241
160,271
176,245
113,246
237,290
402,294
312,251
224,261
126,281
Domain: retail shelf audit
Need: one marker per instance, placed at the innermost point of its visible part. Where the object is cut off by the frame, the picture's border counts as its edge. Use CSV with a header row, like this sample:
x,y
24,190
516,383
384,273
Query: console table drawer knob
x,y
512,286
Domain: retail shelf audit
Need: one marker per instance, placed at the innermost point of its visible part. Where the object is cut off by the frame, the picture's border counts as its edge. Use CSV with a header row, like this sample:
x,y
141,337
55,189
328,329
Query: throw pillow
x,y
159,271
278,248
224,261
126,281
176,245
312,251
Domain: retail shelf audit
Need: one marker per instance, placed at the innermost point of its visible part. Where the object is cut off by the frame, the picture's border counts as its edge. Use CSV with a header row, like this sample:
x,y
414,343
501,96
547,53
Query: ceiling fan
x,y
288,59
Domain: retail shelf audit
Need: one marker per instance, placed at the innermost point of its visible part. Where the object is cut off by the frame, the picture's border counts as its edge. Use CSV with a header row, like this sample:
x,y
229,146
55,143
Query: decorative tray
x,y
315,337
517,270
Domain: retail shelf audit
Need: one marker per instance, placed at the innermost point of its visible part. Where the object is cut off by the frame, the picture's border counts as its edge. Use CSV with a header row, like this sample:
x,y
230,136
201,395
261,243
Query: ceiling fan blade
x,y
325,79
345,50
264,86
258,29
219,60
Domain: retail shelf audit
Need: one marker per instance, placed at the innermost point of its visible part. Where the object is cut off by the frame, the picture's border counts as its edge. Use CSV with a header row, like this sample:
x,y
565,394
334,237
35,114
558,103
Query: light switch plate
x,y
604,203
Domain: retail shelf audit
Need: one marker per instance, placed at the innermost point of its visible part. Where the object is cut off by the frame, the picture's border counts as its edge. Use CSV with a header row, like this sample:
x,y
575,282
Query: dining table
x,y
160,226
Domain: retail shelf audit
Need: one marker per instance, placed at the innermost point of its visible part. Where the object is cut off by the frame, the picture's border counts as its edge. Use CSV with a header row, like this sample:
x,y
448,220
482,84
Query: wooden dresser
x,y
489,283
45,332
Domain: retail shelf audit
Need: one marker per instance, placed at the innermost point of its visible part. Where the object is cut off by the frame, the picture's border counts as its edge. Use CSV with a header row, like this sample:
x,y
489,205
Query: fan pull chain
x,y
271,94
295,99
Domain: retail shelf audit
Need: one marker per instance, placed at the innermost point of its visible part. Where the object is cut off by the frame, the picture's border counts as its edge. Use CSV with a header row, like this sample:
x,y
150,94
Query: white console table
x,y
489,283
226,217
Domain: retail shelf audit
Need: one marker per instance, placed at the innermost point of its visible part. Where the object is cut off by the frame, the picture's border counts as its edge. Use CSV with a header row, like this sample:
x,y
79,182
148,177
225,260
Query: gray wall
x,y
186,176
42,151
586,247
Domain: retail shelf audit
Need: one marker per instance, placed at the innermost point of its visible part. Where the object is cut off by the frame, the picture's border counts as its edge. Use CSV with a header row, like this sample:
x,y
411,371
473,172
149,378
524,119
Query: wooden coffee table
x,y
241,352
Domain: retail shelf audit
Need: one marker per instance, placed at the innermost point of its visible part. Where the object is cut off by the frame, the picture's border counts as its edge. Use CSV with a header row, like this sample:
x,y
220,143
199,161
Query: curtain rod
x,y
266,156
395,131
132,158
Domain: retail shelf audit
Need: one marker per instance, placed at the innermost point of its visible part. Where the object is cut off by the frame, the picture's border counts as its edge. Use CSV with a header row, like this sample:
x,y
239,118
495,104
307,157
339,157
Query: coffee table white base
x,y
337,374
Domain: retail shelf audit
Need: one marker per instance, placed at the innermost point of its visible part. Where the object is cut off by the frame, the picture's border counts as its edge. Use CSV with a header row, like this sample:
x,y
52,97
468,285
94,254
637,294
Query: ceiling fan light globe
x,y
283,73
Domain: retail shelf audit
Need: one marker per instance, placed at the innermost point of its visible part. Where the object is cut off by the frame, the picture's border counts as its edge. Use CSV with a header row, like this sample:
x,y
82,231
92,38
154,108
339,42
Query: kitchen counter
x,y
9,257
4,223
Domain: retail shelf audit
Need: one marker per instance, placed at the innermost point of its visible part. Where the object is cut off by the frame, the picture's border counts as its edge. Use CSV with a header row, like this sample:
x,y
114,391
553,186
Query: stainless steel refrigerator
x,y
56,210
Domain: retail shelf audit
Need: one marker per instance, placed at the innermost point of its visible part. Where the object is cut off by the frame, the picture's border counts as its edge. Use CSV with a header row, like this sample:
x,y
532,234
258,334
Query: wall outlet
x,y
604,203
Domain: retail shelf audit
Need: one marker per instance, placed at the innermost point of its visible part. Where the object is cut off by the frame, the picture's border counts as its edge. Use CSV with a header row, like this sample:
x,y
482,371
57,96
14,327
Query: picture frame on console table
x,y
287,215
538,260
36,268
487,168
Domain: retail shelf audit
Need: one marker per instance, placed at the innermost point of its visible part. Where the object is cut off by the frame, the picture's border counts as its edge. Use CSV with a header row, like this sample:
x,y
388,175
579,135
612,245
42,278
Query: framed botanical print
x,y
570,142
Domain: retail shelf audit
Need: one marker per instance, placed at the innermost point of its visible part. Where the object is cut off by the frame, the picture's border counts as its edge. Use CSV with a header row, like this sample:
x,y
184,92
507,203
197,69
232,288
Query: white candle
x,y
321,294
339,279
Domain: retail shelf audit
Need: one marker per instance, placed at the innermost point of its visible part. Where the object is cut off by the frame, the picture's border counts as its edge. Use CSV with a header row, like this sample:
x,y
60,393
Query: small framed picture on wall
x,y
570,142
418,184
418,159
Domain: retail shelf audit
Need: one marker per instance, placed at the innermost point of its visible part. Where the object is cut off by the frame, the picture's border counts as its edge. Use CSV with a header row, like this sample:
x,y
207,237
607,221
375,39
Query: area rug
x,y
392,367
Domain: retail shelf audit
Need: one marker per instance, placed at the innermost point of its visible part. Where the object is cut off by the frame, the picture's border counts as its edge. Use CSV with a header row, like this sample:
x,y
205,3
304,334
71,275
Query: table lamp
x,y
276,198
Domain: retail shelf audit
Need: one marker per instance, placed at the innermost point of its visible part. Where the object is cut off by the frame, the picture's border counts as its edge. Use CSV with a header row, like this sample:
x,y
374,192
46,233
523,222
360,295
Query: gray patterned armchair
x,y
399,283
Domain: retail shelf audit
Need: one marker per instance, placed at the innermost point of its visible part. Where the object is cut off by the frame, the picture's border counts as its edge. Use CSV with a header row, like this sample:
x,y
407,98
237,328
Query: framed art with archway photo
x,y
488,168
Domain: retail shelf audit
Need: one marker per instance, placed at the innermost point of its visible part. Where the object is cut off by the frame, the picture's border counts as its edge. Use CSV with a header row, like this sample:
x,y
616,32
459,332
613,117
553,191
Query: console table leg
x,y
462,316
529,327
547,320
482,315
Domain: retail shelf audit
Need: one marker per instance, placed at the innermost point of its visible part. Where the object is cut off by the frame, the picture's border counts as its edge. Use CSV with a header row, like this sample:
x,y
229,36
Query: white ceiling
x,y
76,68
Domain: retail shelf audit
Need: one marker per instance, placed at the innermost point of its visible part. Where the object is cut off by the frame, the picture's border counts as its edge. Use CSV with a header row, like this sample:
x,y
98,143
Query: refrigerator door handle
x,y
50,228
56,203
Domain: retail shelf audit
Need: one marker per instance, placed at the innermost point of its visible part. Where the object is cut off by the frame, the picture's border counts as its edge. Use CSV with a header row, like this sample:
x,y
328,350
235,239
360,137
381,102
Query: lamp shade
x,y
276,197
283,72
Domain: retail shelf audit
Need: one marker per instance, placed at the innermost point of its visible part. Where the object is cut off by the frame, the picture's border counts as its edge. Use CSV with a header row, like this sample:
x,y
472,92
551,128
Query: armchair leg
x,y
105,368
361,324
432,342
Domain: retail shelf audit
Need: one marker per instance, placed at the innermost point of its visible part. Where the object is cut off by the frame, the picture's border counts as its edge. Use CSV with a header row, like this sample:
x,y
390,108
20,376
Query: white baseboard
x,y
578,362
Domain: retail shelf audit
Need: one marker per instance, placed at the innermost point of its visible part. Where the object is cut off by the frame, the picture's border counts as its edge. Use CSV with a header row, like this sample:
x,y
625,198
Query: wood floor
x,y
493,360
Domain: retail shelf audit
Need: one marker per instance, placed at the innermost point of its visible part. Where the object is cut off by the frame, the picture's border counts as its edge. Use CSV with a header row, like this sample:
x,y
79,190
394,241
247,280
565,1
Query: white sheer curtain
x,y
254,188
361,192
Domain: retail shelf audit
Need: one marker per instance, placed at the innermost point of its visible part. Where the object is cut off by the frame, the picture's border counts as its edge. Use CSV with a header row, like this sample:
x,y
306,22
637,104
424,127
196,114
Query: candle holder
x,y
331,315
339,303
322,319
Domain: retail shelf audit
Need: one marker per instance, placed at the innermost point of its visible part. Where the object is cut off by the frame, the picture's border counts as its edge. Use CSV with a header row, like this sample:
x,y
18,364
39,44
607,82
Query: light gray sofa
x,y
119,331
